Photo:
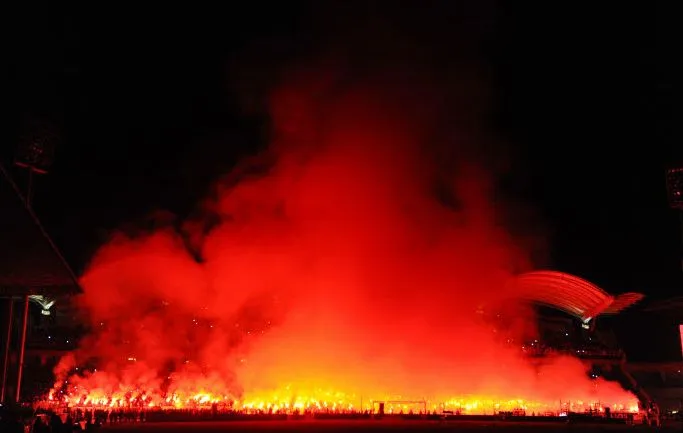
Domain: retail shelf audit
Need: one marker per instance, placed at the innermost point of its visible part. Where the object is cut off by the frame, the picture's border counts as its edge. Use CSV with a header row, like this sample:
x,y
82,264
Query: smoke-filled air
x,y
348,263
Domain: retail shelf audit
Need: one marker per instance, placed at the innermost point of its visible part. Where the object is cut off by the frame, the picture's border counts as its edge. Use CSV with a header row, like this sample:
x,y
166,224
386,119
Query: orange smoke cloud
x,y
348,262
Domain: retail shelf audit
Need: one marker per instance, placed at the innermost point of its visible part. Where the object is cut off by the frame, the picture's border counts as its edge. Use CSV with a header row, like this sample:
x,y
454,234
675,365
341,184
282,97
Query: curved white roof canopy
x,y
569,293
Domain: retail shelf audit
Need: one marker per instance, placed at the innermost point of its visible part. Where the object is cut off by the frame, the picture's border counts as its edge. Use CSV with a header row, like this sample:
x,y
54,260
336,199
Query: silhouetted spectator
x,y
56,424
39,426
68,425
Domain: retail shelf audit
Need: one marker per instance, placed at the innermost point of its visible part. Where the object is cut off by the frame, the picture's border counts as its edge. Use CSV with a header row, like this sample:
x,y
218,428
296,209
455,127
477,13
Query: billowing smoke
x,y
349,260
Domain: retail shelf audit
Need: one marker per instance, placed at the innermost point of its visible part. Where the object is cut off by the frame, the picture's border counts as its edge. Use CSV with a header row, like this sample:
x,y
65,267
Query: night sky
x,y
151,106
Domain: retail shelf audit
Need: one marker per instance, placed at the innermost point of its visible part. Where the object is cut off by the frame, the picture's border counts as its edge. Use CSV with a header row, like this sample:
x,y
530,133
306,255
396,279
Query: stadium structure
x,y
573,295
574,317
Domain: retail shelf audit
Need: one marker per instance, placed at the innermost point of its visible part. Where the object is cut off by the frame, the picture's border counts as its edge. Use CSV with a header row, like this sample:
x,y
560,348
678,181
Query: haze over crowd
x,y
349,257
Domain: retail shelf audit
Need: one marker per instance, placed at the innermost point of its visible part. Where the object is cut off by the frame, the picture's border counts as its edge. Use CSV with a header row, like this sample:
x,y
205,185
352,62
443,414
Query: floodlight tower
x,y
674,186
35,155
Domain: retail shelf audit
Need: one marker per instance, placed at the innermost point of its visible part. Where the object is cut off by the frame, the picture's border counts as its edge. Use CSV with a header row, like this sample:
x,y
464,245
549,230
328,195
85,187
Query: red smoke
x,y
348,263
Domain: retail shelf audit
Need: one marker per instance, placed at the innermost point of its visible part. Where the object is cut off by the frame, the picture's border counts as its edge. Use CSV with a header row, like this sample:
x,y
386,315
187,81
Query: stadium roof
x,y
30,263
571,294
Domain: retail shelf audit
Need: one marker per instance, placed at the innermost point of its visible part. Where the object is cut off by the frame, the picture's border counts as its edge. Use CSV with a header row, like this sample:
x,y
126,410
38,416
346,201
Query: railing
x,y
587,353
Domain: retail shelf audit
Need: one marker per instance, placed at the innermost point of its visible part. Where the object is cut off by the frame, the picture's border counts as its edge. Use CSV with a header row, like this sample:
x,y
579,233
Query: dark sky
x,y
151,105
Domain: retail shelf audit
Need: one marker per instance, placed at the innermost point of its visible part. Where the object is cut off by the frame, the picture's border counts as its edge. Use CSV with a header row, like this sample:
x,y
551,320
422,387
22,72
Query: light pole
x,y
34,155
674,187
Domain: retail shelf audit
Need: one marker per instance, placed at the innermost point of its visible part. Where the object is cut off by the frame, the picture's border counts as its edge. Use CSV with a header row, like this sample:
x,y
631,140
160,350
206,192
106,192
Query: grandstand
x,y
567,308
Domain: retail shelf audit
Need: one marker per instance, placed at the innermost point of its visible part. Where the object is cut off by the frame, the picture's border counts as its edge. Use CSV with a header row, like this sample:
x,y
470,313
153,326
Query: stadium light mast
x,y
35,155
674,186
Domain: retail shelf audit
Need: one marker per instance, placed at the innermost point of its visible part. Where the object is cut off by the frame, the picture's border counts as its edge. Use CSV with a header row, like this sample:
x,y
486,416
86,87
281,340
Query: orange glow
x,y
346,269
316,401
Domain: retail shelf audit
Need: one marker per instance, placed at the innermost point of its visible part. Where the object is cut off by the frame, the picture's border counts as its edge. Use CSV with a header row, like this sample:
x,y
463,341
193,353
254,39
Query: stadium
x,y
573,317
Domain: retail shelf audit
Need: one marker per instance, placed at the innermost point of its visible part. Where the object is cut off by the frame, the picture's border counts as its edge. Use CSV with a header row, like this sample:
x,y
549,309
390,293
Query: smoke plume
x,y
348,259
